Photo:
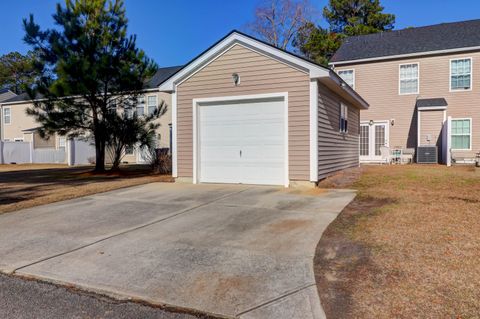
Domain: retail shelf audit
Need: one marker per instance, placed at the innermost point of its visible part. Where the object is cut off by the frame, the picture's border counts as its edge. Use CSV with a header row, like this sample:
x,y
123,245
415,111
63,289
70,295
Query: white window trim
x,y
146,102
141,100
400,80
450,75
471,133
353,74
59,139
343,116
10,116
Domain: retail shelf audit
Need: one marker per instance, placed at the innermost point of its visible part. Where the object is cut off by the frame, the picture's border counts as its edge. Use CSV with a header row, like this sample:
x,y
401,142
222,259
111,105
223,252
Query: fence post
x,y
70,151
31,152
2,160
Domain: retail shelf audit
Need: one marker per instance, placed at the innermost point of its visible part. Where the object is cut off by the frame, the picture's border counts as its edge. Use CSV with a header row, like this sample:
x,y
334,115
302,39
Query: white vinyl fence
x,y
15,152
81,152
77,152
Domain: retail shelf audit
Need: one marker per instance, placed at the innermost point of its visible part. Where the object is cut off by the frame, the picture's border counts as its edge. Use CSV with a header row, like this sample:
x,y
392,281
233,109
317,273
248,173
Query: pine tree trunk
x,y
99,155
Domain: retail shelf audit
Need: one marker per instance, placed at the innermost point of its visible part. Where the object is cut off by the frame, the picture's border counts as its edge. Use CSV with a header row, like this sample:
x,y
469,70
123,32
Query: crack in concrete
x,y
271,301
181,212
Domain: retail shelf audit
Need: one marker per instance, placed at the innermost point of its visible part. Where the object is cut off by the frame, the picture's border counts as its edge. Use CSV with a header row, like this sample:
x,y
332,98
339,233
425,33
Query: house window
x,y
461,74
409,78
343,118
348,76
461,134
7,115
141,106
151,104
128,150
62,142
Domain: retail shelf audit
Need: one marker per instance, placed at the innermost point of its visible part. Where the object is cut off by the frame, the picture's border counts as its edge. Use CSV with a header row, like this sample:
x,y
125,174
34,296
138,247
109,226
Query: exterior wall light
x,y
236,79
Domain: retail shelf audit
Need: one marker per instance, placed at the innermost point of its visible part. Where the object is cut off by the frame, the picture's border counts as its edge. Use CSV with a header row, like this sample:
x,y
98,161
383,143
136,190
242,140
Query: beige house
x,y
246,112
17,126
422,88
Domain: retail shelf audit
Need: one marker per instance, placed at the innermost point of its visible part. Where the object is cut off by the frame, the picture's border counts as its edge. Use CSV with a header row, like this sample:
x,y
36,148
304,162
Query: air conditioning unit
x,y
427,154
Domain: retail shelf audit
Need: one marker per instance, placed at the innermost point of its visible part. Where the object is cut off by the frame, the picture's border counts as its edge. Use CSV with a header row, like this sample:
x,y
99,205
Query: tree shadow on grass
x,y
20,185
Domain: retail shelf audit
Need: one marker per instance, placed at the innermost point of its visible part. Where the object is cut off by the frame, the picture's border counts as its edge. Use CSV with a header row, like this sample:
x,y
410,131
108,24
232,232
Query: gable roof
x,y
314,70
464,35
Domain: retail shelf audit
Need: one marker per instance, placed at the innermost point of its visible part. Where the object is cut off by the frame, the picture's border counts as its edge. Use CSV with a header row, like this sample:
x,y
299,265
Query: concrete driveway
x,y
236,251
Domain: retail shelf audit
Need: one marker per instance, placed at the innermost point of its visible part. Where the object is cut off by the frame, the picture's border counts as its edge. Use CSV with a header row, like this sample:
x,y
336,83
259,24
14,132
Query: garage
x,y
245,112
242,141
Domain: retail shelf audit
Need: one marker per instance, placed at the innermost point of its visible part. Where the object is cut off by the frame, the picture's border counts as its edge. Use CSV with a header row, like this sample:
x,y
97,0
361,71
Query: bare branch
x,y
277,21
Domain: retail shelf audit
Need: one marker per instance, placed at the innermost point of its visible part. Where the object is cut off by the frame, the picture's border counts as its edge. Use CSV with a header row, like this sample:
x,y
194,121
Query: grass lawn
x,y
407,247
28,185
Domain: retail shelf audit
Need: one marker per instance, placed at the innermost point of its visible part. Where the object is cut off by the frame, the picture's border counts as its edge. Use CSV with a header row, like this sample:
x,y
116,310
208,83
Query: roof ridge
x,y
412,28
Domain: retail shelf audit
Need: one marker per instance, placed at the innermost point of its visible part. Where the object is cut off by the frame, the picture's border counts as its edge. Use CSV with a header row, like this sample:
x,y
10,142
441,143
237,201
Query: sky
x,y
172,32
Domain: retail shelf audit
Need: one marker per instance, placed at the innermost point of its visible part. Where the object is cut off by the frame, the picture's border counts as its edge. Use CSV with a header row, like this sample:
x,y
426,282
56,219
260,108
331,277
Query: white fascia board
x,y
174,136
315,71
431,108
361,103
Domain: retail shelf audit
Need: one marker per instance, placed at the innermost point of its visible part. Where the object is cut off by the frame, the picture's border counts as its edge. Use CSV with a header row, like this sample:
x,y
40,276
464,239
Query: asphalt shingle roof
x,y
431,102
437,37
18,98
161,75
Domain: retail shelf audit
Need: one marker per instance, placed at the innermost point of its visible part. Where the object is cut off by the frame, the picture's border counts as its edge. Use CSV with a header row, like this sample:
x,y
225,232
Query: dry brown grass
x,y
407,247
23,186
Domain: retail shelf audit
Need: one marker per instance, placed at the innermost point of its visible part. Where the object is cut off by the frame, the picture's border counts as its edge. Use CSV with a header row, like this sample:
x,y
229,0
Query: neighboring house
x,y
5,94
244,111
418,82
16,125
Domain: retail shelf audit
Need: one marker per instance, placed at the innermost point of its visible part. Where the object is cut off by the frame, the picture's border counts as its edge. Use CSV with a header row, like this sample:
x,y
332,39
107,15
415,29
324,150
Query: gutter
x,y
347,89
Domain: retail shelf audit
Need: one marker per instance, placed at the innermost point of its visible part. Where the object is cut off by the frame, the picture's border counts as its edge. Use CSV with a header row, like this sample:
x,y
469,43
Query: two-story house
x,y
417,80
17,126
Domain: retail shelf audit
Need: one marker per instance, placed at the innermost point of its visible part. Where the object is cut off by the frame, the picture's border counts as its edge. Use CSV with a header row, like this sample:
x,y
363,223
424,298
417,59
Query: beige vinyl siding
x,y
431,123
40,142
19,121
164,121
259,74
378,83
336,151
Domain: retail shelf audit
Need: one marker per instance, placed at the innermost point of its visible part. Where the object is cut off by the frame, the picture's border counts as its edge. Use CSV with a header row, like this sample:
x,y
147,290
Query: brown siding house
x,y
247,112
418,82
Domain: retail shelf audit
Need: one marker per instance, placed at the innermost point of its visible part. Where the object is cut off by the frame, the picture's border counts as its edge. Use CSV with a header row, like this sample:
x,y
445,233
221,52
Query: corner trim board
x,y
314,130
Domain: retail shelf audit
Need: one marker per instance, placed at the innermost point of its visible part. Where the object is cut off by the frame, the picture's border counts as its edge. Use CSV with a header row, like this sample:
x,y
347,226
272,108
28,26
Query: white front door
x,y
242,142
372,137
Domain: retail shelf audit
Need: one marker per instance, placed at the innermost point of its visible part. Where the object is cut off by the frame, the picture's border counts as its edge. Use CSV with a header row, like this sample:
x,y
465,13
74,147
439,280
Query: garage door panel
x,y
242,142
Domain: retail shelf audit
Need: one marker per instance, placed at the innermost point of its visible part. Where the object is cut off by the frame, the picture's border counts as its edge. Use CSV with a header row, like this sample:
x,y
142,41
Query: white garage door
x,y
242,142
